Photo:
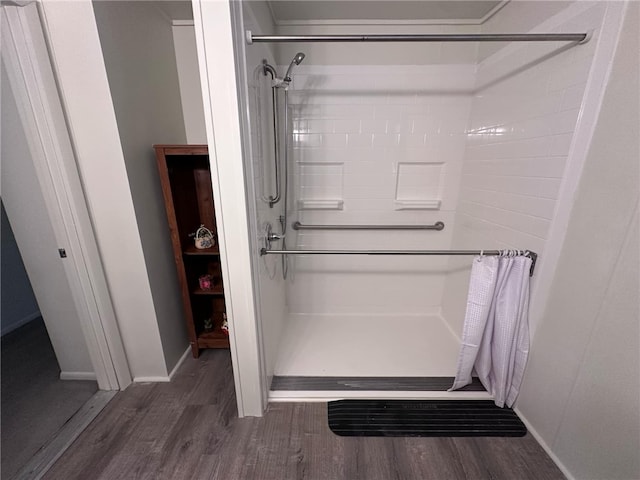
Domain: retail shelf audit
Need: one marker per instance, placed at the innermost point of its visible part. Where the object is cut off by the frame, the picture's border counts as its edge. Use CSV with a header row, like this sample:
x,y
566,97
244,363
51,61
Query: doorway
x,y
36,402
53,365
47,374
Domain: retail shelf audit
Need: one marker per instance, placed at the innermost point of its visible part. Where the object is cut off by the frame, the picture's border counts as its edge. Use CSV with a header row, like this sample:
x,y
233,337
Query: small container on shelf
x,y
204,238
208,325
225,324
206,282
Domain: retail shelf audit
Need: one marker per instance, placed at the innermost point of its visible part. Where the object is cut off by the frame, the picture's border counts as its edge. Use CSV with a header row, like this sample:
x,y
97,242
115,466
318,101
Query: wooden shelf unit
x,y
192,250
186,186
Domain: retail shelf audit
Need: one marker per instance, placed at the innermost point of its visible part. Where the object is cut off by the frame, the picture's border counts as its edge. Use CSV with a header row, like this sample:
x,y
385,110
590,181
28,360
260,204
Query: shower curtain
x,y
495,337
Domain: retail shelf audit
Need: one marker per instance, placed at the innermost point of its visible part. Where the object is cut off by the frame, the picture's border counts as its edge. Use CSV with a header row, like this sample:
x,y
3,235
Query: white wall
x,y
518,16
184,42
77,60
581,390
26,209
137,44
356,128
374,145
19,304
529,97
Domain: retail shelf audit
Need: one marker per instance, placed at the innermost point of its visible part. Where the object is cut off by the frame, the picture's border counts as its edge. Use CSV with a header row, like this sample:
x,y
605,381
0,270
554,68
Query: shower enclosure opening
x,y
382,162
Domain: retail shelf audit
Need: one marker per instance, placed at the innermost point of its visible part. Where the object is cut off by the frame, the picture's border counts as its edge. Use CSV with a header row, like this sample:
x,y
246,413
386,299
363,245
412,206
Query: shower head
x,y
297,60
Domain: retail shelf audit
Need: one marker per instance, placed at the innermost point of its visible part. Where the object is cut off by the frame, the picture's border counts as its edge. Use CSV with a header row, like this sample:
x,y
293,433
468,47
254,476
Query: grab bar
x,y
527,253
436,226
266,68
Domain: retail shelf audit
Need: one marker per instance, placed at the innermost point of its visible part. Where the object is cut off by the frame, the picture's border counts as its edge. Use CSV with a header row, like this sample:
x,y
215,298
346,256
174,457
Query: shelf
x,y
418,204
183,149
320,204
217,290
213,339
185,179
192,250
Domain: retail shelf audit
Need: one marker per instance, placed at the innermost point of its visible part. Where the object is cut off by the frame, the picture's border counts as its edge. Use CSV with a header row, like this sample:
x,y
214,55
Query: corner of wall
x,y
586,346
77,59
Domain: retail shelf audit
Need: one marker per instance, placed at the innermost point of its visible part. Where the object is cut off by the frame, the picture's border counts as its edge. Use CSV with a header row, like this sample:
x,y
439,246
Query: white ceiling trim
x,y
293,23
183,23
273,15
493,11
446,21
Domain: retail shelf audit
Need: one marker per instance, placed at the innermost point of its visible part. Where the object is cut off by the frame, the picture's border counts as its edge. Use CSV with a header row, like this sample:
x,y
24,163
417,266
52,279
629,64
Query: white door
x,y
45,204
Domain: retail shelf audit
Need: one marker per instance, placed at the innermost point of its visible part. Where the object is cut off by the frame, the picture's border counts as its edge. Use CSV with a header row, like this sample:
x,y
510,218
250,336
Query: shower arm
x,y
268,69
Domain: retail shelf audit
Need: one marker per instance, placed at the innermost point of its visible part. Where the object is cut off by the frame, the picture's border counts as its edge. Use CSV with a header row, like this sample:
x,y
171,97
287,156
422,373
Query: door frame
x,y
29,68
215,44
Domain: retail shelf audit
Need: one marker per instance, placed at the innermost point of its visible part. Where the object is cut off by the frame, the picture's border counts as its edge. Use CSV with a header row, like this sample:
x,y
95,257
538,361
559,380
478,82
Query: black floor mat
x,y
423,418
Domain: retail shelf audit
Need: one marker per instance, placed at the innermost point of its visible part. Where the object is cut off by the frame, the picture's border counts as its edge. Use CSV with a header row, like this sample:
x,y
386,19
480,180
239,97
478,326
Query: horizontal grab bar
x,y
529,253
435,226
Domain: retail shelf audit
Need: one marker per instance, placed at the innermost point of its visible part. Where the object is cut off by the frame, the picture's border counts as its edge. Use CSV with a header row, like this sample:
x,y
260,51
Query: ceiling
x,y
175,9
322,12
290,12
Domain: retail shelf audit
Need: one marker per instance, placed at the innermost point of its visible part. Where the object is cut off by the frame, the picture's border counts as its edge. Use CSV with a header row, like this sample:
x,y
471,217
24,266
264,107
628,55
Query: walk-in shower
x,y
400,155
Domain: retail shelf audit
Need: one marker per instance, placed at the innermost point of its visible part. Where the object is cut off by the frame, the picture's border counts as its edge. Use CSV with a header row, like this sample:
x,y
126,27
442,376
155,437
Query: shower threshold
x,y
321,389
413,384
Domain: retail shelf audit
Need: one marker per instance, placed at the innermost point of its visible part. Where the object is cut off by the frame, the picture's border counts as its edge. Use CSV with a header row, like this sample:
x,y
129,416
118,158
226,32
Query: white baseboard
x,y
19,323
78,376
180,362
151,379
168,377
544,446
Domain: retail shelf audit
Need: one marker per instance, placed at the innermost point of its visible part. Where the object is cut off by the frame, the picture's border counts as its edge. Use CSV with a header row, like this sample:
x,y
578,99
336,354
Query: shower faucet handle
x,y
271,236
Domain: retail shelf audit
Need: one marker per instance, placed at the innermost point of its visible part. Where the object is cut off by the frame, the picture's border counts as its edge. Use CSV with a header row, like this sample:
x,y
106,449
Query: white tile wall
x,y
370,137
501,131
419,181
524,112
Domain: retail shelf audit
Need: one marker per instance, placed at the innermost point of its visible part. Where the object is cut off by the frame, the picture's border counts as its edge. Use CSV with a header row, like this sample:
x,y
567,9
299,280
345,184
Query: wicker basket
x,y
204,238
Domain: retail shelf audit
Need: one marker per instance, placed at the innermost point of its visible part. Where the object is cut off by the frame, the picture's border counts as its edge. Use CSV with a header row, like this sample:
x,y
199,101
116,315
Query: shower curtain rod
x,y
472,37
529,253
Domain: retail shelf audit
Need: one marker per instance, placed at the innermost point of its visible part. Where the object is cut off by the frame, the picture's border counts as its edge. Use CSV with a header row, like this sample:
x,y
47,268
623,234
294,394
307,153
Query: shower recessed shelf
x,y
418,204
320,204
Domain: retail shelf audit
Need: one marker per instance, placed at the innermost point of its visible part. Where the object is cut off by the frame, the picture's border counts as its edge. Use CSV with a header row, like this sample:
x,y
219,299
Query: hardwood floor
x,y
187,429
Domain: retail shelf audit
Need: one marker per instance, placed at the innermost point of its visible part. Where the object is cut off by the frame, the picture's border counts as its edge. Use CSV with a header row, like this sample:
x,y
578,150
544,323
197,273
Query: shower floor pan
x,y
327,357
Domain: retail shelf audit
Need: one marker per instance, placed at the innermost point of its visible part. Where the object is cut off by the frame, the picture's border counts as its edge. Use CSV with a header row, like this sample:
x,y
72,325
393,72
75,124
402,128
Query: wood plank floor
x,y
187,429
